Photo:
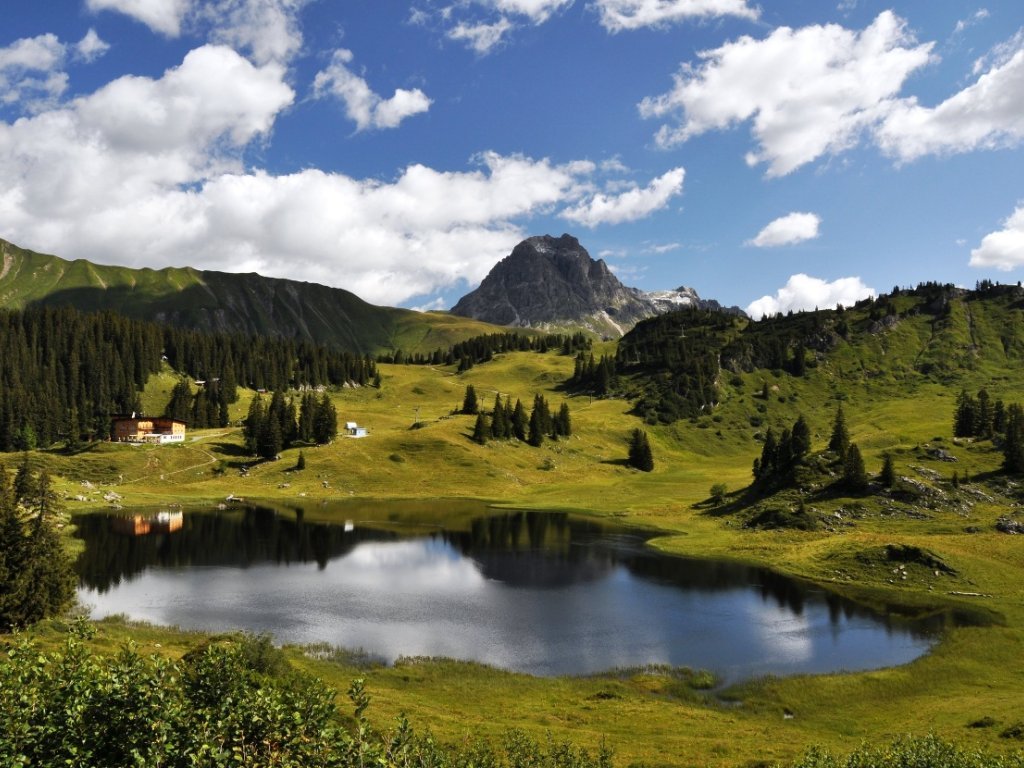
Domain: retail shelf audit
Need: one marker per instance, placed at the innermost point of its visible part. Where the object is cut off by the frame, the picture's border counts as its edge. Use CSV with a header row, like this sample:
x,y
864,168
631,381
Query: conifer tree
x,y
500,427
999,417
520,422
180,405
24,481
888,474
36,579
198,416
481,429
27,440
325,424
1013,444
269,442
254,424
290,426
74,440
855,476
983,416
536,431
767,466
839,441
964,417
563,421
229,380
801,439
640,455
543,411
784,461
307,412
470,406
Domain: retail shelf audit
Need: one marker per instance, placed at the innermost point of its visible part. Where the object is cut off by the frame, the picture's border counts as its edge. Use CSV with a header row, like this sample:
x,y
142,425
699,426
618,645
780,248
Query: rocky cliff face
x,y
549,282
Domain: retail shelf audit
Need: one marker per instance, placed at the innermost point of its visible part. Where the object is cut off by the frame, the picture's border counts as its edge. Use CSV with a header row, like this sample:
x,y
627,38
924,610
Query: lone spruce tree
x,y
640,456
470,405
839,442
482,429
325,421
888,474
36,579
855,476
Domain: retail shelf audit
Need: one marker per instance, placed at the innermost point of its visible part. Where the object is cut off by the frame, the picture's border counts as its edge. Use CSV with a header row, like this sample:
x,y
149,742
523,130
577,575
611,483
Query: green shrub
x,y
230,703
926,752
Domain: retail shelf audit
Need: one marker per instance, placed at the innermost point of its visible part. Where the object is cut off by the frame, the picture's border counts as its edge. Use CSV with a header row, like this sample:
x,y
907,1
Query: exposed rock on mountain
x,y
549,282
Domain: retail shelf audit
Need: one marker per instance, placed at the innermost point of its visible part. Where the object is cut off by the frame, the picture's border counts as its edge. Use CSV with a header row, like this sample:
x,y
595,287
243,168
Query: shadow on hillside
x,y
230,449
242,303
85,447
616,462
735,502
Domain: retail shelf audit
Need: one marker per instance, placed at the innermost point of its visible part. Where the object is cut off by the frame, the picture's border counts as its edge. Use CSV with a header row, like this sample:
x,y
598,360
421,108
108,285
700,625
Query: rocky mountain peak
x,y
550,282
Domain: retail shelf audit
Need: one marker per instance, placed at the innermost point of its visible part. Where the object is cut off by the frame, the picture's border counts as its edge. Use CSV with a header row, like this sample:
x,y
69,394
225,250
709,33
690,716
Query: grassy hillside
x,y
245,303
897,381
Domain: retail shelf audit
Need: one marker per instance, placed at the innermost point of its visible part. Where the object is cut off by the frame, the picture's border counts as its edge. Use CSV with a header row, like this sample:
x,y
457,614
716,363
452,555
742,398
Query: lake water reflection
x,y
541,593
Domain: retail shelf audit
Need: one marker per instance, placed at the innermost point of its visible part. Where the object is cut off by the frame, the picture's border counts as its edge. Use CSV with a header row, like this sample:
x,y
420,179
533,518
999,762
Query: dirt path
x,y
153,462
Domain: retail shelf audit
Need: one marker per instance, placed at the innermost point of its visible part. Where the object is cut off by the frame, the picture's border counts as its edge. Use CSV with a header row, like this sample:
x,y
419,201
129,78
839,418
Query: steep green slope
x,y
687,364
244,303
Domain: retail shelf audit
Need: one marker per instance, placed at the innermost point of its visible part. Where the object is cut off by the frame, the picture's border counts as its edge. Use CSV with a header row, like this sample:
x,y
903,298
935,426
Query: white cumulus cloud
x,y
788,230
266,30
1004,249
32,69
807,92
363,106
163,16
635,203
620,15
149,172
537,11
485,24
986,115
803,292
91,47
482,37
821,90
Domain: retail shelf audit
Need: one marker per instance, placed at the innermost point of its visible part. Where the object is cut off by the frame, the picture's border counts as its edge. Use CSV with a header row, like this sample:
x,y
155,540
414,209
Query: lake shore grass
x,y
419,449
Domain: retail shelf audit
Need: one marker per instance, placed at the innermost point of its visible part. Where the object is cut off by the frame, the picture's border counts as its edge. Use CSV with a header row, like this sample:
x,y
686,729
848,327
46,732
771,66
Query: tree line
x,y
506,421
979,417
272,427
780,457
65,373
483,348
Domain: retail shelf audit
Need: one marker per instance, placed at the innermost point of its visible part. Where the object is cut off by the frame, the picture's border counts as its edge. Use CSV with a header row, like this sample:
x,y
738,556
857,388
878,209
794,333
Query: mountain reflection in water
x,y
539,592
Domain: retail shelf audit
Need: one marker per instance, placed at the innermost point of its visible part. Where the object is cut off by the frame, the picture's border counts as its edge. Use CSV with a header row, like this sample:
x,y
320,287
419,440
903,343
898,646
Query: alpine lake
x,y
537,592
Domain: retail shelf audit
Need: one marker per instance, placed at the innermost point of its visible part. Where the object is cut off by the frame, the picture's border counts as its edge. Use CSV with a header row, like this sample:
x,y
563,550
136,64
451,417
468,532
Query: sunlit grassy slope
x,y
897,385
245,303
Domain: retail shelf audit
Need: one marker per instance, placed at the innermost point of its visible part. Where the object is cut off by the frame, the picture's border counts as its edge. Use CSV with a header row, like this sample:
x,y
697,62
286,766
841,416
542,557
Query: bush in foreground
x,y
223,704
240,704
926,752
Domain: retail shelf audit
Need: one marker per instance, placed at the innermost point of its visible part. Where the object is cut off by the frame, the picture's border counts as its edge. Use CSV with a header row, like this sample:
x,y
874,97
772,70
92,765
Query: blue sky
x,y
774,156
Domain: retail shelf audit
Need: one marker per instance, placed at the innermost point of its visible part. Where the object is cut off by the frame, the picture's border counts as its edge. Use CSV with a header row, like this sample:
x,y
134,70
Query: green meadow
x,y
967,690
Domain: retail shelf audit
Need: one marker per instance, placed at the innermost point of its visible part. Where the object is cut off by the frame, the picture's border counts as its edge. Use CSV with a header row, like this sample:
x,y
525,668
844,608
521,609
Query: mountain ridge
x,y
246,303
